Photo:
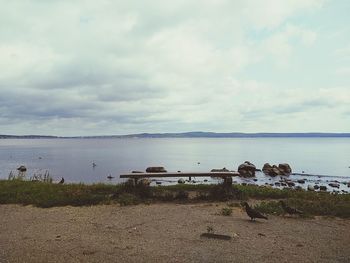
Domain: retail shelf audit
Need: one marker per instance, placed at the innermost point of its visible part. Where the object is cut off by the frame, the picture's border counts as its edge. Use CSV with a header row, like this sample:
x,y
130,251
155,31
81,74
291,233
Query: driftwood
x,y
216,236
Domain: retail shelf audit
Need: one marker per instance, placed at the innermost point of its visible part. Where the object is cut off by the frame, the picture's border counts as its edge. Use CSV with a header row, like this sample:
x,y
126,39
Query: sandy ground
x,y
165,233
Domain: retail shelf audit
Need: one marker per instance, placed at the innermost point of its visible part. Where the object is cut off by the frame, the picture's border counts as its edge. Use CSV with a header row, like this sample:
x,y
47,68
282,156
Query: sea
x,y
325,158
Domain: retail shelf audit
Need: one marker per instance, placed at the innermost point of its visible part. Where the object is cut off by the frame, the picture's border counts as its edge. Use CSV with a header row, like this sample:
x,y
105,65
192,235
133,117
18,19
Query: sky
x,y
72,68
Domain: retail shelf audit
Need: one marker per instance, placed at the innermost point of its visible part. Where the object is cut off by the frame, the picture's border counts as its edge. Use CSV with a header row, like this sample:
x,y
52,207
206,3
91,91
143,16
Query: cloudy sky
x,y
117,67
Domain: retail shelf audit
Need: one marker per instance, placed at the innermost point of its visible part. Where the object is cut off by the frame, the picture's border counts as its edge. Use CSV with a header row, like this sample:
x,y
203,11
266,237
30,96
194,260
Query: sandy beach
x,y
165,233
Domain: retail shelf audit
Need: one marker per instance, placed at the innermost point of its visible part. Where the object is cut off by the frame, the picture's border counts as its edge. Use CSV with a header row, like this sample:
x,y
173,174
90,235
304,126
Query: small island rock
x,y
158,169
247,169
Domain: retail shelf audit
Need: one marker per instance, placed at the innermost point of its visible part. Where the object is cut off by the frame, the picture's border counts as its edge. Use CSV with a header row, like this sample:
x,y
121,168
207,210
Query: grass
x,y
48,195
226,211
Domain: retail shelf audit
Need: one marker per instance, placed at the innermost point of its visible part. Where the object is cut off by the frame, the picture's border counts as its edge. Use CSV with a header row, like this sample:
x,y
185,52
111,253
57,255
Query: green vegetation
x,y
48,195
226,211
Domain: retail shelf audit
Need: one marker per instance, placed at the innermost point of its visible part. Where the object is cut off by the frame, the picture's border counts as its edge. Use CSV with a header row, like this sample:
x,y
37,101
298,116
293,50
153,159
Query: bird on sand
x,y
290,210
252,213
62,181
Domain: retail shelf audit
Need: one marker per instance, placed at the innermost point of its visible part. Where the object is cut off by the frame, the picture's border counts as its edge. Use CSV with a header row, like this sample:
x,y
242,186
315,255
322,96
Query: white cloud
x,y
282,44
150,66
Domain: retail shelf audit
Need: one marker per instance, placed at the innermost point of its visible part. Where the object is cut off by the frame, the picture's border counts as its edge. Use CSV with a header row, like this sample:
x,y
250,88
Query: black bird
x,y
62,181
252,213
290,210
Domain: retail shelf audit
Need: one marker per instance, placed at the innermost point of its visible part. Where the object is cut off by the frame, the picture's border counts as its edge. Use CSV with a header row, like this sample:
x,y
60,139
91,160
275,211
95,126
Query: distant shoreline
x,y
189,135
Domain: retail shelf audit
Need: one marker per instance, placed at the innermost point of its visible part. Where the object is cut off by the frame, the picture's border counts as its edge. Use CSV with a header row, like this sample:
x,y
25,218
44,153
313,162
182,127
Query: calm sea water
x,y
72,158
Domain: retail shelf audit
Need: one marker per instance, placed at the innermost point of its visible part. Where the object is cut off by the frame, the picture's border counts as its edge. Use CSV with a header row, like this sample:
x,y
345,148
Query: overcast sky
x,y
118,67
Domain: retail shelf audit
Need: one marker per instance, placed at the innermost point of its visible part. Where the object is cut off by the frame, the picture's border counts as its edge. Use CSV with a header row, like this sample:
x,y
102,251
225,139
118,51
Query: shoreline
x,y
52,195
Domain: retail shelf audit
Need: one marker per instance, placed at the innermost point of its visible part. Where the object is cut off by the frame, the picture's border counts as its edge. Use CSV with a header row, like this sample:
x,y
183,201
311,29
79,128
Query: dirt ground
x,y
165,233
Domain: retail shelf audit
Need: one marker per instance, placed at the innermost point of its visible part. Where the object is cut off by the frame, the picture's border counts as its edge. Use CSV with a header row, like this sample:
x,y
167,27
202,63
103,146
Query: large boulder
x,y
281,169
285,168
270,170
156,170
247,169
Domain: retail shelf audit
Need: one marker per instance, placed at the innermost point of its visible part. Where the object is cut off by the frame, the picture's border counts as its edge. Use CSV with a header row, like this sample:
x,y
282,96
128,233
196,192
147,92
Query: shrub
x,y
182,195
127,199
226,211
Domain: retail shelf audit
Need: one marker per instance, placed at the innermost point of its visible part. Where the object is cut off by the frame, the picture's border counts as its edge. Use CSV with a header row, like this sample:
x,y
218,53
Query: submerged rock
x,y
157,169
247,169
290,183
334,185
301,181
323,188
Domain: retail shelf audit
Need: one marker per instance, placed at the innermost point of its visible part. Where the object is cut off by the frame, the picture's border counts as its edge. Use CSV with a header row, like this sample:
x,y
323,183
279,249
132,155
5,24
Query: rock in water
x,y
157,169
334,185
281,169
247,169
271,170
285,168
181,181
22,168
323,188
310,188
266,168
290,183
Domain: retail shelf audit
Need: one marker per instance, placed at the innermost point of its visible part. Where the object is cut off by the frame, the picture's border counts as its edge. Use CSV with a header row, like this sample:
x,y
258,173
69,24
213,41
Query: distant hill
x,y
193,135
233,135
27,137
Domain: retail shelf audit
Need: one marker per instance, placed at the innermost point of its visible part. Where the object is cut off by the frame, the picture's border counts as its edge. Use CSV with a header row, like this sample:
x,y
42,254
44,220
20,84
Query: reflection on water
x,y
92,160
